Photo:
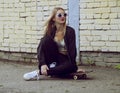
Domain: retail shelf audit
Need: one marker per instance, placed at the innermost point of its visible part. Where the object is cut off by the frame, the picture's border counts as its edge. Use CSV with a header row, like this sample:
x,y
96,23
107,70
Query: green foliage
x,y
90,61
117,66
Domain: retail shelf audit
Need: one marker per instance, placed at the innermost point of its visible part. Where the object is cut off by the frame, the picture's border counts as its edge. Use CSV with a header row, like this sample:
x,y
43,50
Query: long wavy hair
x,y
50,24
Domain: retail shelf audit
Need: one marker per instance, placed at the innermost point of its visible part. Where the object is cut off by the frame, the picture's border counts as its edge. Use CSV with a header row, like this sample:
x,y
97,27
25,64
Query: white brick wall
x,y
19,29
100,25
21,24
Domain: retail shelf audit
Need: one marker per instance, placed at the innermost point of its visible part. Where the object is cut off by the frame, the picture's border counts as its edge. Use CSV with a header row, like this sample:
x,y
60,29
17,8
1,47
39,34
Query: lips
x,y
62,19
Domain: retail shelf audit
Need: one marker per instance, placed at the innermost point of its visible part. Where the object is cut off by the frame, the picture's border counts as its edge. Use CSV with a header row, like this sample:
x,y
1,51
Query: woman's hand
x,y
44,69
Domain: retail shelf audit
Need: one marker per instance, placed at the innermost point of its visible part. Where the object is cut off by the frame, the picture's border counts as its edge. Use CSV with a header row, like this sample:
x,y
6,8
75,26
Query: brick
x,y
104,48
98,27
112,44
95,5
1,1
4,48
29,41
96,38
118,15
114,27
112,4
86,11
83,5
89,21
112,38
101,63
118,4
97,16
90,26
83,16
85,33
25,1
96,48
5,44
83,27
112,60
89,48
105,10
113,15
90,16
104,37
97,33
98,44
118,48
115,21
104,4
105,15
85,43
82,38
90,5
115,9
81,1
102,21
29,50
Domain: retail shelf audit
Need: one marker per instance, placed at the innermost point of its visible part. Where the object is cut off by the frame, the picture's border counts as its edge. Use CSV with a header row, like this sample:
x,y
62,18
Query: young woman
x,y
57,49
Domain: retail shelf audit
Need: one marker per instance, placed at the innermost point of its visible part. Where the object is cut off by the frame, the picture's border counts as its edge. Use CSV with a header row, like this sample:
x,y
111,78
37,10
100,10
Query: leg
x,y
64,66
47,51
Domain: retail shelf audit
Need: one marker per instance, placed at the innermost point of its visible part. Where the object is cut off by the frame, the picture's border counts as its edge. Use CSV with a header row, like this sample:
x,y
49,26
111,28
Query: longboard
x,y
79,75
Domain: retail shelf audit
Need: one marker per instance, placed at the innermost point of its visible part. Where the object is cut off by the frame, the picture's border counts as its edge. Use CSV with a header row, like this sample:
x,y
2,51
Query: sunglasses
x,y
61,15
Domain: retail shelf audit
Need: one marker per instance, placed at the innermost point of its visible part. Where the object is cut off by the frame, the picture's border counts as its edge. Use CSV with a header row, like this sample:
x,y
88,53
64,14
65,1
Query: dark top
x,y
70,42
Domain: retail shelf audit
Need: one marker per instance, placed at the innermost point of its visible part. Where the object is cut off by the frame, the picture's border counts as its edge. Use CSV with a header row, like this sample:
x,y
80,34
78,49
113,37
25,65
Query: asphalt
x,y
101,80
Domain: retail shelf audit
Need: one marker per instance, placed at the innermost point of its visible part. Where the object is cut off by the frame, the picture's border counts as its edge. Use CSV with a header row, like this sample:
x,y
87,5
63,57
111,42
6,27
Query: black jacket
x,y
70,41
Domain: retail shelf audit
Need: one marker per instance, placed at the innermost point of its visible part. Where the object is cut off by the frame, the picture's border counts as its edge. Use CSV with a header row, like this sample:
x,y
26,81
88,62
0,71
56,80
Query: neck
x,y
60,27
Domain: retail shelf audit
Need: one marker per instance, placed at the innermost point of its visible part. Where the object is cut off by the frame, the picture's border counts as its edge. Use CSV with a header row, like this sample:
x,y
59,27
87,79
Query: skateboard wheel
x,y
84,76
75,77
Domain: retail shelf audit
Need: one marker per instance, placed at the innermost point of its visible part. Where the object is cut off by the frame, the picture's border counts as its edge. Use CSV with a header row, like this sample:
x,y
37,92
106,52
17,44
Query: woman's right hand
x,y
44,69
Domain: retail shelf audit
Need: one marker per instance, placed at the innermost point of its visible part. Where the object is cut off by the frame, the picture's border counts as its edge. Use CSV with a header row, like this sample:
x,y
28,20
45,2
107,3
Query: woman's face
x,y
60,17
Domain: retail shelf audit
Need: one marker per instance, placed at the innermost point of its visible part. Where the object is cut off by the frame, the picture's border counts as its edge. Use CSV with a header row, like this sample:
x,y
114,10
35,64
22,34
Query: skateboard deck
x,y
74,75
79,75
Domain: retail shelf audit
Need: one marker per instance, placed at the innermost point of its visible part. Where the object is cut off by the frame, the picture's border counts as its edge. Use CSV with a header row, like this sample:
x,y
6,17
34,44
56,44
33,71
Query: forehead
x,y
60,11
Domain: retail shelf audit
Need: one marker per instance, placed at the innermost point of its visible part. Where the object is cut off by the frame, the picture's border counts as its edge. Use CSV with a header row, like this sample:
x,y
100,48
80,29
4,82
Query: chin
x,y
62,22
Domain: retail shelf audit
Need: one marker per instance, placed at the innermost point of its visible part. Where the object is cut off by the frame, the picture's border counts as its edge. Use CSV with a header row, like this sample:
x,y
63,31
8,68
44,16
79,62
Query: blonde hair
x,y
50,24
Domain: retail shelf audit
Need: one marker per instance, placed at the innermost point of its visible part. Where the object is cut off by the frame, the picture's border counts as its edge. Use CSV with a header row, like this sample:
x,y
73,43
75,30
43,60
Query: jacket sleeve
x,y
40,55
72,45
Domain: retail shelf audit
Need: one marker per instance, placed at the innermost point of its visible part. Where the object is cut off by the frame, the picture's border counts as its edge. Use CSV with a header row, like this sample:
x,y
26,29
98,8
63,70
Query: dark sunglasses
x,y
62,15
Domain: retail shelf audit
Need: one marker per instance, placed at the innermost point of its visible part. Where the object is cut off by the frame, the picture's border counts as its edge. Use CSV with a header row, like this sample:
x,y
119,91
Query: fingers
x,y
44,69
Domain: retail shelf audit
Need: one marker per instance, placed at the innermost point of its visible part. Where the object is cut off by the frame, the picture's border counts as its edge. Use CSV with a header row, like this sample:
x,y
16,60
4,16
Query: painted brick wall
x,y
18,25
100,25
21,23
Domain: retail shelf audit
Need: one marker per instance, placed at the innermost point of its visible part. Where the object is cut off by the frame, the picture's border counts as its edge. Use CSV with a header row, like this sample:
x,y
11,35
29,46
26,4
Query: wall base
x,y
86,57
20,57
100,58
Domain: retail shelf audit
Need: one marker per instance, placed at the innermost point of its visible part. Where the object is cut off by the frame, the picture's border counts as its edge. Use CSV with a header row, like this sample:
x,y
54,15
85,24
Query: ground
x,y
102,80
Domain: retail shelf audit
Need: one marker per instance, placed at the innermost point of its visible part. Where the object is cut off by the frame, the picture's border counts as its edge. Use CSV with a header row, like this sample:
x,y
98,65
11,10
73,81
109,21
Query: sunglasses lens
x,y
65,15
60,15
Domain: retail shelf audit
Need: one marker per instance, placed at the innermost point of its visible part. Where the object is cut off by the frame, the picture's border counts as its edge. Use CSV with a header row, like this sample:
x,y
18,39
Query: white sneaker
x,y
34,75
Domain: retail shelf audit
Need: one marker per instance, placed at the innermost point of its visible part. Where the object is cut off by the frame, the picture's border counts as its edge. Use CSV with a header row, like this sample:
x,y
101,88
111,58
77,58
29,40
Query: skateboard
x,y
79,75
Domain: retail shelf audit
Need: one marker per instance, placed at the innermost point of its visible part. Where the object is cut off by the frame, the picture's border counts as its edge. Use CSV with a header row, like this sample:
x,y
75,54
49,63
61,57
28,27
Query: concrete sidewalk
x,y
102,80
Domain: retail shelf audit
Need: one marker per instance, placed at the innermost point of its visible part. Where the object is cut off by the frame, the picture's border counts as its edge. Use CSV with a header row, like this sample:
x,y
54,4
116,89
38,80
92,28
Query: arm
x,y
40,55
71,44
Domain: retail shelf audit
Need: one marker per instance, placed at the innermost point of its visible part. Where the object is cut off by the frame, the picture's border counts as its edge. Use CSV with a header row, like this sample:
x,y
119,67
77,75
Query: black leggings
x,y
50,50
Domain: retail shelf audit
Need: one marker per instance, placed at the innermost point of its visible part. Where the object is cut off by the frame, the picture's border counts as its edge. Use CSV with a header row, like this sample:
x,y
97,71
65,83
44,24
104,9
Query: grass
x,y
117,66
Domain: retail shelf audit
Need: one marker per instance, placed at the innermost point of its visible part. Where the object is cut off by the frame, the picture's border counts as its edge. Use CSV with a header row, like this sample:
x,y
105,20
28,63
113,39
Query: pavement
x,y
101,80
